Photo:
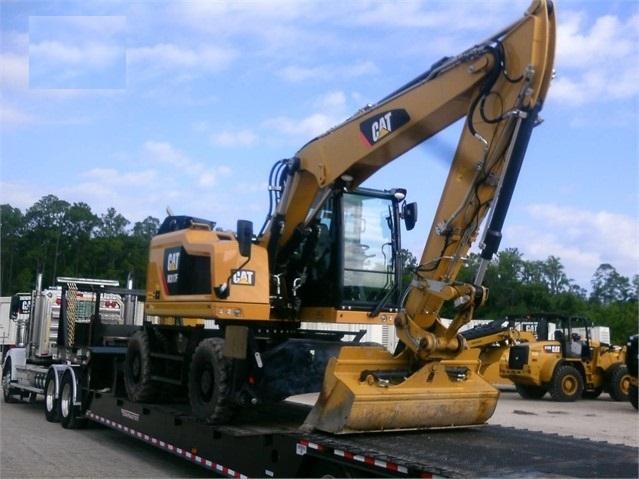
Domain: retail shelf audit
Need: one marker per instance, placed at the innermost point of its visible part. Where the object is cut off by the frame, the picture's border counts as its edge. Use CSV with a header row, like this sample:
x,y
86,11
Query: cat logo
x,y
172,265
378,127
244,277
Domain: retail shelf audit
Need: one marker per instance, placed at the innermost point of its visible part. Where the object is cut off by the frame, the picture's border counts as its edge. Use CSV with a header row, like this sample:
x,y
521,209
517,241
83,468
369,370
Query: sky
x,y
144,105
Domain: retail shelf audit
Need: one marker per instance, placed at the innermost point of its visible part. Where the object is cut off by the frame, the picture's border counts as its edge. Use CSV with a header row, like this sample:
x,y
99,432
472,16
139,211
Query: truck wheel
x,y
633,393
530,392
7,390
566,384
208,383
50,397
69,414
137,369
619,382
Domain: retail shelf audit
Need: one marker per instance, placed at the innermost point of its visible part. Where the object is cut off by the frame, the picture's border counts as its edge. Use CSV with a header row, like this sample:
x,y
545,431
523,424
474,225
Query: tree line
x,y
58,238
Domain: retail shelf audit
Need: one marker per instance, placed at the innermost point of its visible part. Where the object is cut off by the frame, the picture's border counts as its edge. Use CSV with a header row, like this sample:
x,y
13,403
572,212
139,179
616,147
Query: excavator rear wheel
x,y
566,384
137,369
209,376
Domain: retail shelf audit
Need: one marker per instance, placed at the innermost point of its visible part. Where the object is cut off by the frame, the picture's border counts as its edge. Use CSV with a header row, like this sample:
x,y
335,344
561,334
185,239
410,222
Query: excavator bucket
x,y
442,394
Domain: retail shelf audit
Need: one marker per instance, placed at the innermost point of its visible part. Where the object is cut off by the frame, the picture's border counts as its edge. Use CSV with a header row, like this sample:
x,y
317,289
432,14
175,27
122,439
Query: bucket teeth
x,y
366,389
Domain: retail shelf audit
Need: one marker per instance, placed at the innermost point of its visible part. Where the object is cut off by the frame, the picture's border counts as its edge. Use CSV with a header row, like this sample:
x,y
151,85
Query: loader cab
x,y
355,263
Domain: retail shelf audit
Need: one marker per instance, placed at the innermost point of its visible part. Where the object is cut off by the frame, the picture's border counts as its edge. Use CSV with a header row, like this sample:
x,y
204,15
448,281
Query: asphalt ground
x,y
30,447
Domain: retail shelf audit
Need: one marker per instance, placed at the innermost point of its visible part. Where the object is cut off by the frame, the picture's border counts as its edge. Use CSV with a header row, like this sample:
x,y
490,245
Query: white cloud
x,y
182,164
596,63
582,239
169,56
241,138
328,72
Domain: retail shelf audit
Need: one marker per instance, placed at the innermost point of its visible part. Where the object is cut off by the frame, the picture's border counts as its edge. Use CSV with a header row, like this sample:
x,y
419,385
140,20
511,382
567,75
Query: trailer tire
x,y
69,413
137,369
50,397
209,375
530,392
619,382
566,384
7,390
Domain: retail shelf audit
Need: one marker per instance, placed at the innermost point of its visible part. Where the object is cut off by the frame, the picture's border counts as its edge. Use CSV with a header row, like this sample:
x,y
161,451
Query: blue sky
x,y
148,104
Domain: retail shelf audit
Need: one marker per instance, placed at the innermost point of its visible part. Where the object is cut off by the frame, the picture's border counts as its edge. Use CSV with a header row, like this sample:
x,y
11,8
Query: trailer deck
x,y
267,442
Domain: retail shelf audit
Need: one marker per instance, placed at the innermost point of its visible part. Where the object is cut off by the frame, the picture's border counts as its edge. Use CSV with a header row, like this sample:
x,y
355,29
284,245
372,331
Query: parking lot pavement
x,y
601,419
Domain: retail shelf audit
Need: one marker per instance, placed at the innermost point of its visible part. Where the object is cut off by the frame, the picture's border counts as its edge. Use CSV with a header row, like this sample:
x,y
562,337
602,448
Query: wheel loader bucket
x,y
366,389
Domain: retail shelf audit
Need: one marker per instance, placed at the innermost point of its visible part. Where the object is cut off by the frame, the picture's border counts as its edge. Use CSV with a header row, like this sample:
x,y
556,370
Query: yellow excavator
x,y
330,252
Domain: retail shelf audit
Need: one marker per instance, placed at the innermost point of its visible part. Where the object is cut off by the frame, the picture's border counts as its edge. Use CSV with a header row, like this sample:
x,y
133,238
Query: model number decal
x,y
245,277
552,349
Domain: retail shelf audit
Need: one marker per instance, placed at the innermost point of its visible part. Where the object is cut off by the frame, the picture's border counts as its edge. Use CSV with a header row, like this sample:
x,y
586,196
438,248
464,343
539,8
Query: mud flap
x,y
355,397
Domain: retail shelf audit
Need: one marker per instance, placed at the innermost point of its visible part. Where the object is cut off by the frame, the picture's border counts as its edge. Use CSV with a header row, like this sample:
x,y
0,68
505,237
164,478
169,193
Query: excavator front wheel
x,y
209,377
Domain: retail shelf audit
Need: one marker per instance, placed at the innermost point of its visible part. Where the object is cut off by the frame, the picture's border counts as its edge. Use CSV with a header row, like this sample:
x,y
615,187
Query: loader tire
x,y
530,392
137,369
619,382
566,384
209,376
50,397
633,394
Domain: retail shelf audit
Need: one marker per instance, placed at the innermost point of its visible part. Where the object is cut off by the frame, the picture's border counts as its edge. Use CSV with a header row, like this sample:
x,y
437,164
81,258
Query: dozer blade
x,y
365,390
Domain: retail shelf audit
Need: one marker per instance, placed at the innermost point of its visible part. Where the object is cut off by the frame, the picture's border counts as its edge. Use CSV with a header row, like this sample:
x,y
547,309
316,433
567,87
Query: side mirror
x,y
245,237
409,213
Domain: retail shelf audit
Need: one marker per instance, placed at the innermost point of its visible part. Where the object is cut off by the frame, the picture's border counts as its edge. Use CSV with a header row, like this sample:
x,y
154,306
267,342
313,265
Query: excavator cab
x,y
354,261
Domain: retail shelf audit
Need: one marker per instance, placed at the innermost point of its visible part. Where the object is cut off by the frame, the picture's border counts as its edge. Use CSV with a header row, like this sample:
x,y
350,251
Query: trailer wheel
x,y
68,412
208,383
137,369
566,384
633,393
50,397
619,382
530,392
7,390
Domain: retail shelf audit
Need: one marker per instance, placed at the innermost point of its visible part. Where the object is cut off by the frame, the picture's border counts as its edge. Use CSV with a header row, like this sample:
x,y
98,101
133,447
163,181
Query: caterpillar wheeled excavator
x,y
329,252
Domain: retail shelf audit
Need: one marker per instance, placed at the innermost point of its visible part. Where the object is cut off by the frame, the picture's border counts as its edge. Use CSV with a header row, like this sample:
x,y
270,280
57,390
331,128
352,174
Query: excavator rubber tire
x,y
619,382
566,384
137,369
209,376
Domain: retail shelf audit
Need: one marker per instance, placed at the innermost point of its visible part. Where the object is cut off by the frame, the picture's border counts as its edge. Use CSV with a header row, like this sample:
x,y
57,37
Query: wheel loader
x,y
566,362
330,252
